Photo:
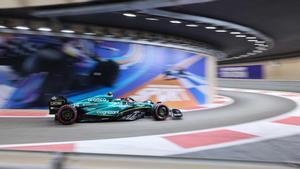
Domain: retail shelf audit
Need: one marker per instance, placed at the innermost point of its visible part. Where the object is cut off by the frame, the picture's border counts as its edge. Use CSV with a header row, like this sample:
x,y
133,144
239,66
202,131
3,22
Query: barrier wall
x,y
241,72
279,69
34,67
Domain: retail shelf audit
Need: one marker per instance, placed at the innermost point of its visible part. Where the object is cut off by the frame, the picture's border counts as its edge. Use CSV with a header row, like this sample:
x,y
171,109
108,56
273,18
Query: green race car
x,y
108,108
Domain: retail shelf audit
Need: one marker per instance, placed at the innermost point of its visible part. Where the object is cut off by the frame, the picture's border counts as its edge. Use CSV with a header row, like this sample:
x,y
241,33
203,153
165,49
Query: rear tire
x,y
160,112
67,115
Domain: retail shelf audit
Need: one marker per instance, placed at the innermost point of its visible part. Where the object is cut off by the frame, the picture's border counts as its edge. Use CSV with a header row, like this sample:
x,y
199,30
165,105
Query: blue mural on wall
x,y
35,67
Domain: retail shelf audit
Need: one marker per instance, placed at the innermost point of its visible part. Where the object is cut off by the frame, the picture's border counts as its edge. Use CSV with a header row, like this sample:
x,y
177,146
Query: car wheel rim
x,y
67,115
162,112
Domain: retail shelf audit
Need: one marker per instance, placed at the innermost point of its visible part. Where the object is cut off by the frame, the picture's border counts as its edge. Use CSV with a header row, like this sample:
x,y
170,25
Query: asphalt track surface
x,y
247,107
285,149
280,85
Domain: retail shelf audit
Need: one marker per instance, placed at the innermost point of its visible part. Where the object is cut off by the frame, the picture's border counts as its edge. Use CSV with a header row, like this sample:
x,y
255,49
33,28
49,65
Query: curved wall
x,y
35,67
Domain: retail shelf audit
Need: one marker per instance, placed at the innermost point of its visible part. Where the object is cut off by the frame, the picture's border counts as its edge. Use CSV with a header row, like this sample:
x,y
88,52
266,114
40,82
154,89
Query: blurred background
x,y
37,67
232,67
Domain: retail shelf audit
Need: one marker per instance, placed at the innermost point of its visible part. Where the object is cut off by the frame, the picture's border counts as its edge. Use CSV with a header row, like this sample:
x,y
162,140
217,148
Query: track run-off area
x,y
254,116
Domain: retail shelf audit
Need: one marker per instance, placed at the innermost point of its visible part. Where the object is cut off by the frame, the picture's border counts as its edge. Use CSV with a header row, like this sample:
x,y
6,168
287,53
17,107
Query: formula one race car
x,y
107,108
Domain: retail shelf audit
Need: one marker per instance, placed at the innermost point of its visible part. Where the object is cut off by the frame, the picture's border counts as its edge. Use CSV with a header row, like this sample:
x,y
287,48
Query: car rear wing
x,y
55,103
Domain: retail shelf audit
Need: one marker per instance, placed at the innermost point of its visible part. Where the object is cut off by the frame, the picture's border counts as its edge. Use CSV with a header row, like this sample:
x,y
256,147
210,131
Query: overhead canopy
x,y
276,20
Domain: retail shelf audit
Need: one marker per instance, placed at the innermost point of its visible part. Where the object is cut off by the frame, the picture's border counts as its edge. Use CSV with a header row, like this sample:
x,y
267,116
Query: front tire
x,y
160,112
67,115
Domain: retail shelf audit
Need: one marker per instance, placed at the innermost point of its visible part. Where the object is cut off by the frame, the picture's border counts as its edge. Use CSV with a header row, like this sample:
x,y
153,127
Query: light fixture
x,y
249,53
240,36
175,21
2,27
210,27
235,33
152,19
89,33
260,48
129,14
252,40
44,29
243,56
260,42
221,31
257,51
191,25
67,31
251,37
22,27
263,45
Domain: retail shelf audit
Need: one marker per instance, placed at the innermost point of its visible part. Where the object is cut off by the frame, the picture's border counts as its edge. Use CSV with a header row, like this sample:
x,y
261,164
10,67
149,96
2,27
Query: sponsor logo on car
x,y
104,113
97,99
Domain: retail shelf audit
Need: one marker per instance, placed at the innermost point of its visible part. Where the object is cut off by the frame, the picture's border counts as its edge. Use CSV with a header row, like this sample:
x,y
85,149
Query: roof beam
x,y
212,21
115,7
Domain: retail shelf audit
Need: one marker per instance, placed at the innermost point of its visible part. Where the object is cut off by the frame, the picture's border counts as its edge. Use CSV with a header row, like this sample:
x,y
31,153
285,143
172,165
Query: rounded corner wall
x,y
35,67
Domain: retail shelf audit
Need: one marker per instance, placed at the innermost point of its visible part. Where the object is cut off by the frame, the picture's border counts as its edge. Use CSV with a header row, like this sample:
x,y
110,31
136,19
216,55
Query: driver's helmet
x,y
110,94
